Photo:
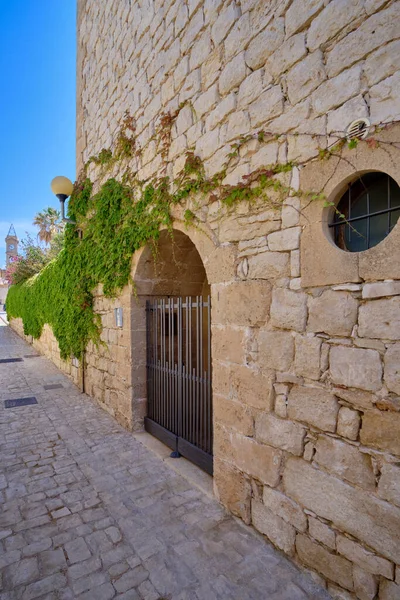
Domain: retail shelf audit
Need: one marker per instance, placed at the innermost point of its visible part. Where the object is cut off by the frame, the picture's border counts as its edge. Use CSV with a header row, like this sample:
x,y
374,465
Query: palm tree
x,y
47,221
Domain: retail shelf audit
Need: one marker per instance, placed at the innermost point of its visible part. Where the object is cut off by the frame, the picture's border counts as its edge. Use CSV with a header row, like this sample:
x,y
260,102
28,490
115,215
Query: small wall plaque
x,y
118,314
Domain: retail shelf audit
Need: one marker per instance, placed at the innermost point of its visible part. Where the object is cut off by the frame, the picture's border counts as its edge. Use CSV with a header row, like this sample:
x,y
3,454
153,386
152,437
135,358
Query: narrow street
x,y
88,512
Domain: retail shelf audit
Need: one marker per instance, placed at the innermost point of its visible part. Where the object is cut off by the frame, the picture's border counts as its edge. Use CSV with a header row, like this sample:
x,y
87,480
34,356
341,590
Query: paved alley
x,y
88,512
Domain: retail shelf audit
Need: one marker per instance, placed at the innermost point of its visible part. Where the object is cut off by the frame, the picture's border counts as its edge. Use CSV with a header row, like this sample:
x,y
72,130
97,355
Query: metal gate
x,y
179,376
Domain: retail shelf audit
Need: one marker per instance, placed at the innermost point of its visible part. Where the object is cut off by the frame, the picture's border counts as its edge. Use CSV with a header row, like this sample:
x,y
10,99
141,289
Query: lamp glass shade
x,y
62,185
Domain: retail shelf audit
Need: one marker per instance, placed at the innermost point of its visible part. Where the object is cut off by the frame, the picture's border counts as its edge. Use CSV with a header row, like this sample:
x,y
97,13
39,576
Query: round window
x,y
367,212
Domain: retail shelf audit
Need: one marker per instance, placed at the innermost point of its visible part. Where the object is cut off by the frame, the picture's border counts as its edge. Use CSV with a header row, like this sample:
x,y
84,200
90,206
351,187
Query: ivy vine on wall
x,y
122,217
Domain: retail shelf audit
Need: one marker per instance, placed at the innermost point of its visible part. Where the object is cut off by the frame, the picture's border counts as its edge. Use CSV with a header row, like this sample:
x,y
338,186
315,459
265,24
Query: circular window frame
x,y
328,214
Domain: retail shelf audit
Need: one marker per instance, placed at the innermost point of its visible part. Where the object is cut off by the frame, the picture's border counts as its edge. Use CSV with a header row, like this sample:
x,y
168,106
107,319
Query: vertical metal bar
x,y
190,374
348,226
163,363
179,373
198,372
389,205
209,399
156,396
187,373
201,398
368,219
148,361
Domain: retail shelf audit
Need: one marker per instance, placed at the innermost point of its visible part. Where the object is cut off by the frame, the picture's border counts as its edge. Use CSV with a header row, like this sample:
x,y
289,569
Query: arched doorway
x,y
172,285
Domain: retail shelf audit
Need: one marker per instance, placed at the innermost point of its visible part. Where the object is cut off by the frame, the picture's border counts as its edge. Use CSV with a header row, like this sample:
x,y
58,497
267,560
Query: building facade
x,y
11,253
304,280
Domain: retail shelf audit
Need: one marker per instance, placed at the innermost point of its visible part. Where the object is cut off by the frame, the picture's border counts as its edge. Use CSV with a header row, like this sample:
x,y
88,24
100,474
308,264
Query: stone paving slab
x,y
88,512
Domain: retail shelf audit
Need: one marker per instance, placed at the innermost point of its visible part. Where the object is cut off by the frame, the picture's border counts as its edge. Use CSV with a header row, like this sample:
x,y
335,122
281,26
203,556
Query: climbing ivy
x,y
120,218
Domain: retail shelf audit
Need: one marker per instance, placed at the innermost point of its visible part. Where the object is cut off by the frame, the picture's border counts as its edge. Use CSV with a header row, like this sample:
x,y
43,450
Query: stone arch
x,y
172,266
179,263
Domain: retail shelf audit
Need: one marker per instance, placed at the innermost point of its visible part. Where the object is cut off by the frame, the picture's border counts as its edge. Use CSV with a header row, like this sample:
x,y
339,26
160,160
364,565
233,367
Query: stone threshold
x,y
192,473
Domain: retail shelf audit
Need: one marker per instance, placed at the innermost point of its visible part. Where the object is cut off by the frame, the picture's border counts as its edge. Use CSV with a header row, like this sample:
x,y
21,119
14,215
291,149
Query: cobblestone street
x,y
88,512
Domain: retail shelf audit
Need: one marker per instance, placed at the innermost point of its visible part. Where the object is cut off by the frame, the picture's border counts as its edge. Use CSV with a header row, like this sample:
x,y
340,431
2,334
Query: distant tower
x,y
11,246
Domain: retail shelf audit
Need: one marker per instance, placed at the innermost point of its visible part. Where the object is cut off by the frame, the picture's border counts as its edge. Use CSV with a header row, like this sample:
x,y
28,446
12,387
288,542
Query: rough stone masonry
x,y
306,337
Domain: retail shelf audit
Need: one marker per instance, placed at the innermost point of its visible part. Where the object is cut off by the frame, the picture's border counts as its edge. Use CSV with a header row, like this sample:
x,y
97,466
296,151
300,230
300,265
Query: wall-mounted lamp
x,y
118,316
62,187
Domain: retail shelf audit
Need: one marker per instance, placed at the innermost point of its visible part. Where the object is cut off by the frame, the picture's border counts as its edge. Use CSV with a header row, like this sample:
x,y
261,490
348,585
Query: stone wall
x,y
48,346
306,337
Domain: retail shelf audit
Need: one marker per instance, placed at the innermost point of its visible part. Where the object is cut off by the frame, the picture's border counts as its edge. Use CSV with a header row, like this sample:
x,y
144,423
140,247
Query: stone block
x,y
233,489
280,533
184,119
339,119
359,399
382,63
290,213
211,68
280,433
350,509
308,357
334,17
280,406
238,36
356,367
200,51
207,144
294,117
266,156
286,239
268,265
258,460
332,566
223,108
381,430
388,590
252,387
295,263
392,368
338,90
300,13
191,86
285,508
322,533
267,106
365,584
346,461
305,77
276,349
265,43
287,54
384,100
365,559
348,424
289,309
233,74
389,483
225,21
372,33
233,414
228,344
380,289
250,89
314,406
238,124
206,101
242,303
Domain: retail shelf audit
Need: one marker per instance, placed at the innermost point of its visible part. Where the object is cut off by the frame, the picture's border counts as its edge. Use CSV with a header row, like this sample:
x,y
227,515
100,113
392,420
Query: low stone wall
x,y
107,373
48,346
108,367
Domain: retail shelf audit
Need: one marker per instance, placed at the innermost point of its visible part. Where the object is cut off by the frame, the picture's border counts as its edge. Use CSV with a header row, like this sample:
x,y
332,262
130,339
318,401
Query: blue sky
x,y
37,107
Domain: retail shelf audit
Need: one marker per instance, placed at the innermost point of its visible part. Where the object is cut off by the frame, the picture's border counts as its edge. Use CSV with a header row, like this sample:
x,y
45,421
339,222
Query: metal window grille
x,y
358,223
